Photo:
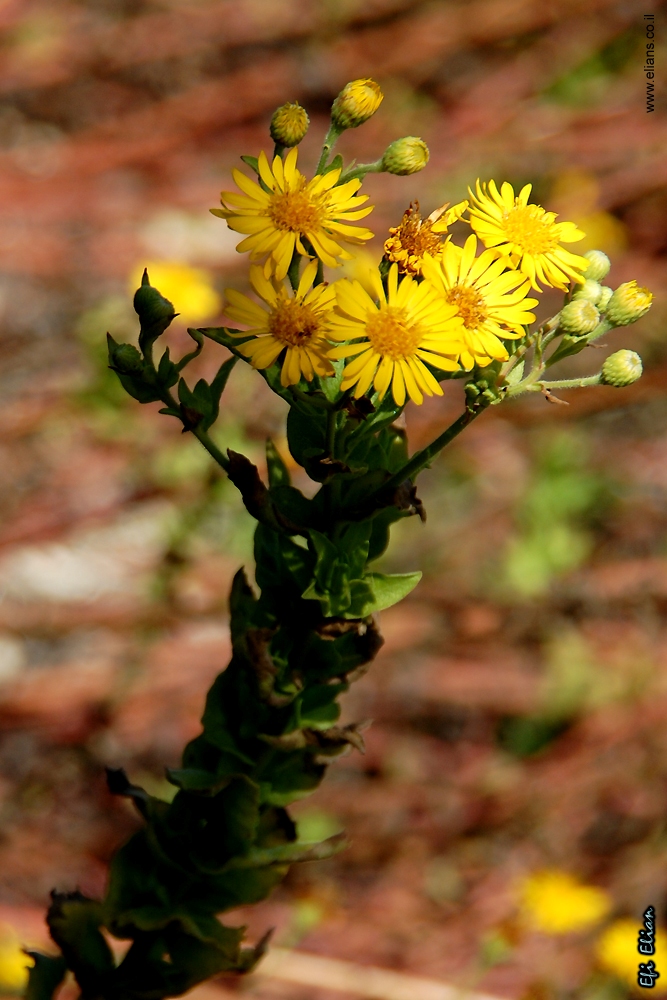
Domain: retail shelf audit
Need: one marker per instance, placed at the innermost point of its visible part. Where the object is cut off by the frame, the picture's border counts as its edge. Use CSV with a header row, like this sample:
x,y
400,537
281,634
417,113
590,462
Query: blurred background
x,y
508,819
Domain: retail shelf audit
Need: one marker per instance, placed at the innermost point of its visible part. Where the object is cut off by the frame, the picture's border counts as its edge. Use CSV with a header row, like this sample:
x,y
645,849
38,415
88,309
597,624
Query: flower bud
x,y
405,156
589,290
598,265
579,317
605,295
622,368
628,304
357,102
289,124
125,358
152,308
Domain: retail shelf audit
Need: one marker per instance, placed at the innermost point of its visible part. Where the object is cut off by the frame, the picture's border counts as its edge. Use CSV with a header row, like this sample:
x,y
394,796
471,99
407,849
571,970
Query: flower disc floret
x,y
527,235
292,210
291,324
393,336
414,237
489,298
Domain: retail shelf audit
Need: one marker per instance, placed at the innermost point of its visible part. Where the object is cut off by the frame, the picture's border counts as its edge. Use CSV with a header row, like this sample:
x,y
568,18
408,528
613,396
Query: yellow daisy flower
x,y
554,902
397,333
293,209
526,234
616,951
294,322
414,236
490,299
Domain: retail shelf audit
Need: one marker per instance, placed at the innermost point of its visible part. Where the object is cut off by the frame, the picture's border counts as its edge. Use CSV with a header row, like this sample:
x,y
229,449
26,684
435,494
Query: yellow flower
x,y
189,288
490,300
527,235
616,951
414,237
294,322
397,333
554,902
14,963
291,210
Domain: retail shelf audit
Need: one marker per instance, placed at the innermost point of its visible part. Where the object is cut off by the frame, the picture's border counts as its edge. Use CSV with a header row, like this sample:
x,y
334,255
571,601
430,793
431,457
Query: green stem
x,y
278,150
571,383
212,448
361,170
424,457
330,140
319,277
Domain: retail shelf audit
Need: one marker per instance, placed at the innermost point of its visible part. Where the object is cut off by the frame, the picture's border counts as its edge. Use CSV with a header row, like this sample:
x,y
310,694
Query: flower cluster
x,y
436,309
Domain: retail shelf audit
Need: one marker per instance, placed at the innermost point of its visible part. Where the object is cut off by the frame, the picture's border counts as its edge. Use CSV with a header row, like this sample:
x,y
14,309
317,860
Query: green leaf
x,y
278,471
389,589
336,164
74,923
306,434
192,779
294,507
317,707
45,976
252,162
291,853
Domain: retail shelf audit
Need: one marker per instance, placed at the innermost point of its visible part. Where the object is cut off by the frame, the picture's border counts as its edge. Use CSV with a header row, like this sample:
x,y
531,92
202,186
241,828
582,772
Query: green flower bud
x,y
579,317
605,294
405,156
628,304
598,266
125,358
589,290
622,368
289,124
357,102
152,308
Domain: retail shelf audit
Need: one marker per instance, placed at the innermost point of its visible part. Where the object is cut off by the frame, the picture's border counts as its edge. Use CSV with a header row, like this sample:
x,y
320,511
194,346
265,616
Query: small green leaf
x,y
45,976
389,589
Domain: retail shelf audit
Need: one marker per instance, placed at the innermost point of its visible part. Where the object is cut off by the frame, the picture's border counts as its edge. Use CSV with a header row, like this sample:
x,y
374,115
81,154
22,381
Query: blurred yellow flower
x,y
189,288
616,952
289,209
14,963
526,235
555,902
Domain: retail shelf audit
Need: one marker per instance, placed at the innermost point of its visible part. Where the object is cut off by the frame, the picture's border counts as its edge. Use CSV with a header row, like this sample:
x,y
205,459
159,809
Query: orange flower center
x,y
529,229
392,335
470,304
297,211
293,323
